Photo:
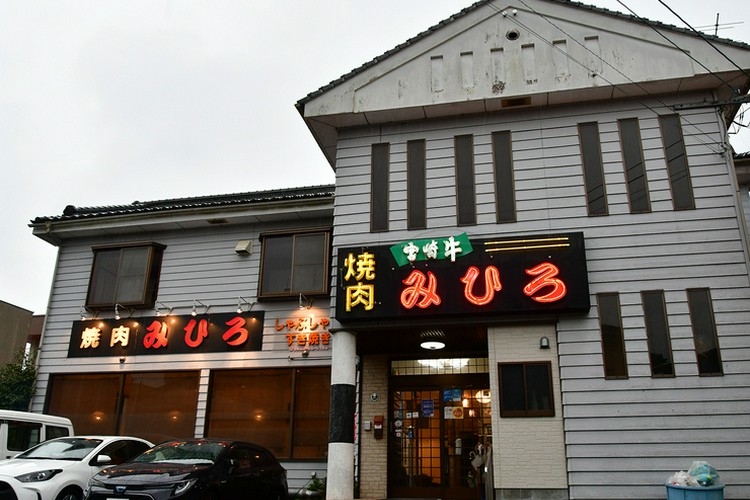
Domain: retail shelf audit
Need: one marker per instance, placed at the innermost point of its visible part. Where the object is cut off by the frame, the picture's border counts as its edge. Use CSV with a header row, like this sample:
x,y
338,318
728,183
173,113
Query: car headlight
x,y
39,475
180,487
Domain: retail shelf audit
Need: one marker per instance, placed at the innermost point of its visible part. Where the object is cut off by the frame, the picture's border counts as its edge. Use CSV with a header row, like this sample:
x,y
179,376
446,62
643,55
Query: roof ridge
x,y
72,212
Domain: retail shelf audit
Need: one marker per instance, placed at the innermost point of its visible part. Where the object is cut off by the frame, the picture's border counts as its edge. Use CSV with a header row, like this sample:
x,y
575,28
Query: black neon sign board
x,y
458,275
187,334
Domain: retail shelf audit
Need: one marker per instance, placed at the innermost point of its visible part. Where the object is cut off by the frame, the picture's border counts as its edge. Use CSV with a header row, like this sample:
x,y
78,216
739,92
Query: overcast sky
x,y
105,102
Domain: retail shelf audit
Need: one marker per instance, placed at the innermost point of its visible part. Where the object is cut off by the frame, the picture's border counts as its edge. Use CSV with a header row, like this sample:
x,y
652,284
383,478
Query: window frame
x,y
526,412
110,409
291,445
325,280
657,332
416,184
502,163
466,199
634,164
608,347
151,276
593,168
379,186
678,168
704,329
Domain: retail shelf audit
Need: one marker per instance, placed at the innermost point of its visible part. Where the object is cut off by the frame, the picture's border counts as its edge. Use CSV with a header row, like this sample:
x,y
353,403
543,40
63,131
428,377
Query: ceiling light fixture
x,y
432,340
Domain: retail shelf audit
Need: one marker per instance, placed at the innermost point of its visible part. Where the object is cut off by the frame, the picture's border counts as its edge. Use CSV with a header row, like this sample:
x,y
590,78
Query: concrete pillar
x,y
340,476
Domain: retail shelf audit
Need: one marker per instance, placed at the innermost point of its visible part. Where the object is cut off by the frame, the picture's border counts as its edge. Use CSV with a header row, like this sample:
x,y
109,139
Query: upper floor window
x,y
379,179
677,165
128,275
466,203
704,332
657,333
502,156
416,184
294,263
613,340
635,170
593,173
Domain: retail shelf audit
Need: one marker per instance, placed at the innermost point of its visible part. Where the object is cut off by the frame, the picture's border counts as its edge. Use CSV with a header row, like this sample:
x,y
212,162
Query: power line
x,y
731,89
705,39
597,56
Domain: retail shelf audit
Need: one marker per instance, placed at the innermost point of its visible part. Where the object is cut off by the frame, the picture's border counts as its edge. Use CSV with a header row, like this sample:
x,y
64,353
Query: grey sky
x,y
108,102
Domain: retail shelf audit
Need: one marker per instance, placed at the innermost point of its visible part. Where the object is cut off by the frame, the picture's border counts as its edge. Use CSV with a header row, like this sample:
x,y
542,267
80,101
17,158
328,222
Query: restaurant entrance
x,y
440,427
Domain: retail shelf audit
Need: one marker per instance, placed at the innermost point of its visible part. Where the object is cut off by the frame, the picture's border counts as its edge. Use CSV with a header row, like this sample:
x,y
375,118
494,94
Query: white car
x,y
59,469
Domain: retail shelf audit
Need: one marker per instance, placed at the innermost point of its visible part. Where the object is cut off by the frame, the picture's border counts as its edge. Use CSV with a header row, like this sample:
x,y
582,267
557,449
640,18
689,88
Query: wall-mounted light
x,y
83,313
194,312
544,343
168,308
240,301
305,354
304,302
118,309
432,340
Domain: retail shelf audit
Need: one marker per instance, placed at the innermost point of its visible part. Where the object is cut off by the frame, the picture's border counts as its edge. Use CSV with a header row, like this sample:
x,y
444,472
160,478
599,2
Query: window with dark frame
x,y
416,184
613,341
593,173
526,389
466,202
505,194
635,170
677,165
657,333
125,274
286,410
379,188
294,263
704,332
152,405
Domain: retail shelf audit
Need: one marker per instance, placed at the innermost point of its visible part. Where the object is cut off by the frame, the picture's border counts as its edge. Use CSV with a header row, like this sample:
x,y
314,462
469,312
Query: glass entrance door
x,y
435,433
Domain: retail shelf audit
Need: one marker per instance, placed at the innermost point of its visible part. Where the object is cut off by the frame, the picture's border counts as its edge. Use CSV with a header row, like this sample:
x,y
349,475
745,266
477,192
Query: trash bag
x,y
703,473
682,478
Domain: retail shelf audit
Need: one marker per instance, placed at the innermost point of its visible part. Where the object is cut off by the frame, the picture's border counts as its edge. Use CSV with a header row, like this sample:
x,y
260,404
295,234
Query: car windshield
x,y
182,452
62,449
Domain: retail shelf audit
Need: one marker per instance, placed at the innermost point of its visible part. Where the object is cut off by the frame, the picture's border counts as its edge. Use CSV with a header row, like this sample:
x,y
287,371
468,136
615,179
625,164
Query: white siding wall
x,y
527,452
621,435
197,264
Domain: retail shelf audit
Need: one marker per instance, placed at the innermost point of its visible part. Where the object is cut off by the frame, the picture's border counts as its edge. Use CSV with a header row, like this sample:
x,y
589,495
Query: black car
x,y
194,469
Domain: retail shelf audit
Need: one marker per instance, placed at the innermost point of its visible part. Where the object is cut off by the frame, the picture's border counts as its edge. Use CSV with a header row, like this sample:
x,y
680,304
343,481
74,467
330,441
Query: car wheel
x,y
70,494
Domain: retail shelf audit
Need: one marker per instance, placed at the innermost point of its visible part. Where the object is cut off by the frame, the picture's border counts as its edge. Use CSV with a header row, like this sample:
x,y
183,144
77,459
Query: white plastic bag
x,y
682,478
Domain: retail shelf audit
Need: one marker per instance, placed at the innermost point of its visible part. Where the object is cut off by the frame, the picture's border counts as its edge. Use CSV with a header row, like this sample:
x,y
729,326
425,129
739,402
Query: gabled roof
x,y
301,103
400,85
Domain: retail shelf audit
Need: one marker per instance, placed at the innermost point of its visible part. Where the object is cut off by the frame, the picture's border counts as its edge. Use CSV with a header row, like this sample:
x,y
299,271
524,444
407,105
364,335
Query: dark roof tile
x,y
138,207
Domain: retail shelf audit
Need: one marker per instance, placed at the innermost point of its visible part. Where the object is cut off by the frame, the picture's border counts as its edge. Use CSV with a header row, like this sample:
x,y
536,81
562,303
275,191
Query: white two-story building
x,y
542,194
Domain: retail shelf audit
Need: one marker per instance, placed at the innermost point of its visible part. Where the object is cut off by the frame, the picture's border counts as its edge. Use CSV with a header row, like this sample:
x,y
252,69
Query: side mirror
x,y
103,460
